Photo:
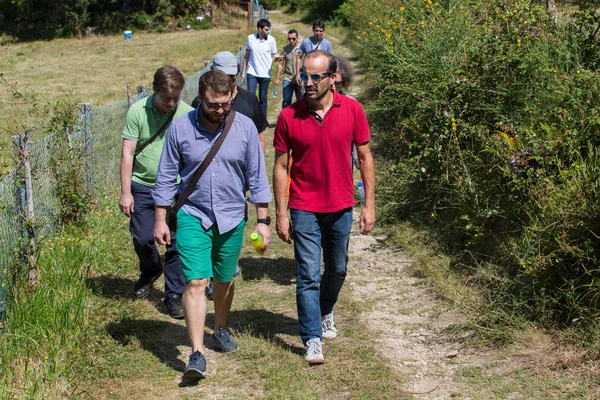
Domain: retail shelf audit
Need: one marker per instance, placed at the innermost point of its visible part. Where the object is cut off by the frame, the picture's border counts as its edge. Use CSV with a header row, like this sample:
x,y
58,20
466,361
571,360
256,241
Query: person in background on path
x,y
260,52
310,44
343,78
318,130
138,176
245,103
287,63
210,224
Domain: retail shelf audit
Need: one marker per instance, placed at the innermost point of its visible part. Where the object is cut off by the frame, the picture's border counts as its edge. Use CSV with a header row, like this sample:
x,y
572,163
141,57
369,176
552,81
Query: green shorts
x,y
205,253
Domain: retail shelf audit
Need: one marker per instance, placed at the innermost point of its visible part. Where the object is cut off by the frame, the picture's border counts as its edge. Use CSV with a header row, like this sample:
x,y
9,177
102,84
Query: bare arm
x,y
279,68
298,65
162,234
262,211
126,201
367,173
280,182
245,65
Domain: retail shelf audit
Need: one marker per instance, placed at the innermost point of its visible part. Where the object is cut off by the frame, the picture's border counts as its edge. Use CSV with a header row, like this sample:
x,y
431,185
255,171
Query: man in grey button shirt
x,y
210,225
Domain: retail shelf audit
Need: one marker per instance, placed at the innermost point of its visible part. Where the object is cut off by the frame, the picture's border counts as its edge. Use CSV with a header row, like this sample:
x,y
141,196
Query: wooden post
x,y
27,209
212,13
85,112
250,14
141,88
129,95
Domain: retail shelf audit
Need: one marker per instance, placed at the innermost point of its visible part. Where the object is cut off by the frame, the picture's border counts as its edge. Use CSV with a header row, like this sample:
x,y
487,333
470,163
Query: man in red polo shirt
x,y
318,131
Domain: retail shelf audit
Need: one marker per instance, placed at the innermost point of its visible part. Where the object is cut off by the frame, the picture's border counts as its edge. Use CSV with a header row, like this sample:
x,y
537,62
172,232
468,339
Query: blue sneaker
x,y
224,342
196,367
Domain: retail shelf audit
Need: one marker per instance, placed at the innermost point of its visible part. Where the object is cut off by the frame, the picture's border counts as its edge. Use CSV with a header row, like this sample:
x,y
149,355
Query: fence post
x,y
85,125
27,219
250,15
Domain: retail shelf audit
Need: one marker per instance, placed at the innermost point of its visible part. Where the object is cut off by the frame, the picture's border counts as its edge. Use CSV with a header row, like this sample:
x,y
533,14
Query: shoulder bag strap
x,y
167,122
205,163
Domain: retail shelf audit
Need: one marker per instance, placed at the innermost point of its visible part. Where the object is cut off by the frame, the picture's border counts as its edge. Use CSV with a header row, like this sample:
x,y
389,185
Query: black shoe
x,y
196,367
210,288
174,308
142,287
224,342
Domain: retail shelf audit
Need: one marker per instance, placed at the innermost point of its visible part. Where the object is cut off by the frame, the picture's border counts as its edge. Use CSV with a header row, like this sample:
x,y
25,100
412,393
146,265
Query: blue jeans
x,y
313,231
141,227
263,89
289,88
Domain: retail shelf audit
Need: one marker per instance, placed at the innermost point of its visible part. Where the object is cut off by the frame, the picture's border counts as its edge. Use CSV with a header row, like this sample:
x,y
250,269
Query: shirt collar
x,y
149,101
201,130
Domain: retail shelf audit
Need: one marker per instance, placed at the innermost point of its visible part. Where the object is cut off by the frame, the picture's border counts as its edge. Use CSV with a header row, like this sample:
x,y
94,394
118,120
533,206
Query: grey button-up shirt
x,y
219,196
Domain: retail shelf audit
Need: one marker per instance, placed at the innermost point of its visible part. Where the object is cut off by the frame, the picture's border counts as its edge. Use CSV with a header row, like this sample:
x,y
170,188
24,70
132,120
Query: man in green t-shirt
x,y
139,165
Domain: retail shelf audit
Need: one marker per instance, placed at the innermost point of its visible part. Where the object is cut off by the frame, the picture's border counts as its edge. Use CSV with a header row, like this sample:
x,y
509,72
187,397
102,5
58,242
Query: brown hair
x,y
215,80
168,78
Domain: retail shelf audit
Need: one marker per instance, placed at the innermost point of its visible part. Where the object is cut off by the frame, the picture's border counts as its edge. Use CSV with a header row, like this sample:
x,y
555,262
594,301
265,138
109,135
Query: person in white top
x,y
260,52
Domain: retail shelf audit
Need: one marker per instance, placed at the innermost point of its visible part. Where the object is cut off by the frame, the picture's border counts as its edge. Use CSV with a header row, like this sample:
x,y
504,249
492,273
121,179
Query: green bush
x,y
487,114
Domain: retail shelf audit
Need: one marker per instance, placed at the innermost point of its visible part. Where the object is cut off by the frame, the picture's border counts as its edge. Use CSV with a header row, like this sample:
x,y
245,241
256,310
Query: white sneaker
x,y
328,326
314,352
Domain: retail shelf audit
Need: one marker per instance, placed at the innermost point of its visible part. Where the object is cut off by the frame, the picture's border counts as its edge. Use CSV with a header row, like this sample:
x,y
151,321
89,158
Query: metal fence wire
x,y
97,137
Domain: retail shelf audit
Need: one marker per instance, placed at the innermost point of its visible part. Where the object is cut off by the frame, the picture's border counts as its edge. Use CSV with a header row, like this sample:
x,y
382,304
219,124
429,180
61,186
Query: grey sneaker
x,y
328,326
224,342
314,352
196,367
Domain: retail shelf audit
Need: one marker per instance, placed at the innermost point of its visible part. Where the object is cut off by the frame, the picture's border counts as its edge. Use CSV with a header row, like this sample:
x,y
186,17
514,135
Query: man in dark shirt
x,y
244,102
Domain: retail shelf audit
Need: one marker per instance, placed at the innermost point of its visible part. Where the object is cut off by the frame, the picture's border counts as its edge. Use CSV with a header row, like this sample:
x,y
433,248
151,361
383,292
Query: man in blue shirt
x,y
310,44
210,224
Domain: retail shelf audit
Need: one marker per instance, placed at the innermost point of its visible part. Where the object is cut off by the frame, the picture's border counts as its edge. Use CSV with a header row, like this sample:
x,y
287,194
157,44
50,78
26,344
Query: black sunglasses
x,y
216,106
316,78
292,38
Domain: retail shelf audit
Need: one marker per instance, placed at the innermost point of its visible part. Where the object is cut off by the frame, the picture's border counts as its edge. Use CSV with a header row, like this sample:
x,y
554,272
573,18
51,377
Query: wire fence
x,y
29,191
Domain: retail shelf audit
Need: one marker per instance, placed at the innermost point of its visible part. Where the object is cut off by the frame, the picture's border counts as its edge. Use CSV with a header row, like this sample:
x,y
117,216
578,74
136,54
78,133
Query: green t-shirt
x,y
141,123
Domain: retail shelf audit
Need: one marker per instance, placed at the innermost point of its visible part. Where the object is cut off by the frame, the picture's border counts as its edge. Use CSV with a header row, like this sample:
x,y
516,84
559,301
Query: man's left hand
x,y
367,220
265,232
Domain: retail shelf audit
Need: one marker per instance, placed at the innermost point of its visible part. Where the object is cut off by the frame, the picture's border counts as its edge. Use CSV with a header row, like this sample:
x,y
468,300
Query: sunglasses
x,y
216,106
316,78
292,38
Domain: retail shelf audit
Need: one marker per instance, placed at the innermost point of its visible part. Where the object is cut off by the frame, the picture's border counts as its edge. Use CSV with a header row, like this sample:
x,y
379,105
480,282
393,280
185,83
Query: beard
x,y
212,117
314,93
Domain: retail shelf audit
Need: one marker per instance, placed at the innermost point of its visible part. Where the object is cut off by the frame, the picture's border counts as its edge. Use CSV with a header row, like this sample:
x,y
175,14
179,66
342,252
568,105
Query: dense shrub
x,y
488,117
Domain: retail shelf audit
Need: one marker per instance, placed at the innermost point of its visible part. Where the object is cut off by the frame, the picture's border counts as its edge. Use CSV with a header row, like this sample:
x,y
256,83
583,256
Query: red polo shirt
x,y
321,176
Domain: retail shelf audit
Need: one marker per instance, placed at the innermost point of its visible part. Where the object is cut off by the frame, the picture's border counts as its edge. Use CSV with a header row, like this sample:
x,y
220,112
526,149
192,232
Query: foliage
x,y
489,114
68,166
31,19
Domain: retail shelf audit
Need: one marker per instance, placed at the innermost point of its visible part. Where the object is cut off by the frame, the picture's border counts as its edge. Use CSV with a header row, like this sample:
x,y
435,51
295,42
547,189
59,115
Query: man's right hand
x,y
298,80
162,233
126,204
284,229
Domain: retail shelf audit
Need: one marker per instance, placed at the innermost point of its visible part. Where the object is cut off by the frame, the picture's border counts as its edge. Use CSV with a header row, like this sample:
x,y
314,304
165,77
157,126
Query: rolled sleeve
x,y
168,170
